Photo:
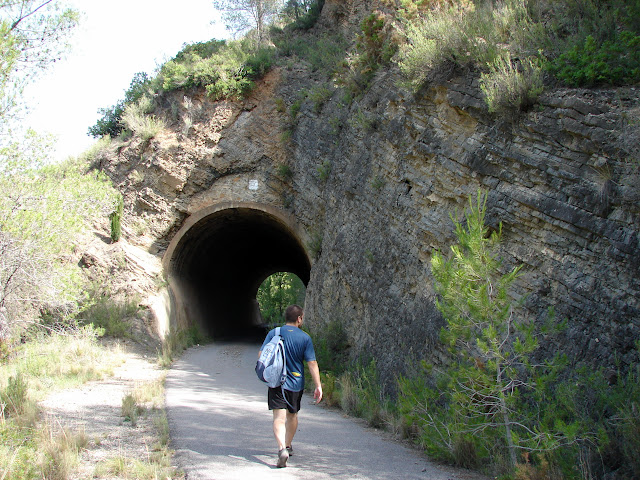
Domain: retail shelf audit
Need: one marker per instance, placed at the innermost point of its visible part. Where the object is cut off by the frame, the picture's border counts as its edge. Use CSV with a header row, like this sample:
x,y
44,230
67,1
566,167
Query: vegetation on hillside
x,y
515,44
516,47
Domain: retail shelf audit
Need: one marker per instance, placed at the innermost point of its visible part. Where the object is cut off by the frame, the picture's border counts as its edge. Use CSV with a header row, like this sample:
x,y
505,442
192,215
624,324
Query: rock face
x,y
372,184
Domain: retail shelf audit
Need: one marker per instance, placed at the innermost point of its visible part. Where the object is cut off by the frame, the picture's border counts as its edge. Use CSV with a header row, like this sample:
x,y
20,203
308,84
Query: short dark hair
x,y
292,313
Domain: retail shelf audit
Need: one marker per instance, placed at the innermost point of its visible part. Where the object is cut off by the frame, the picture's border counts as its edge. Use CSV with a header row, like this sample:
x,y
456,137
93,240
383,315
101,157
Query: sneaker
x,y
290,450
283,456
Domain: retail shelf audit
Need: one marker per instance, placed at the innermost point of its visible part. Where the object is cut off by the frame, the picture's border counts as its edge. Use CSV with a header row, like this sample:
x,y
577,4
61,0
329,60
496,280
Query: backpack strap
x,y
285,369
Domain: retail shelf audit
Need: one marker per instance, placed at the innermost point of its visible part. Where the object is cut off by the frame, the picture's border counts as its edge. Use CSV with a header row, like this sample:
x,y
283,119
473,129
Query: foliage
x,y
303,13
467,35
130,410
228,71
36,367
361,394
42,209
314,245
137,118
489,344
241,16
13,398
116,220
612,62
324,170
586,43
375,46
111,314
111,121
599,411
276,293
158,465
285,172
508,86
178,341
319,96
50,360
323,52
332,347
32,36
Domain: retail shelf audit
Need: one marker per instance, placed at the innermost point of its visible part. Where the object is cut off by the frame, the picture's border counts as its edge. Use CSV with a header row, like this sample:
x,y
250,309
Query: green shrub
x,y
111,314
137,119
285,172
116,220
130,409
612,62
361,394
276,293
465,35
319,96
508,87
295,108
323,53
110,123
176,342
314,245
332,347
13,397
225,69
598,413
324,170
375,46
305,14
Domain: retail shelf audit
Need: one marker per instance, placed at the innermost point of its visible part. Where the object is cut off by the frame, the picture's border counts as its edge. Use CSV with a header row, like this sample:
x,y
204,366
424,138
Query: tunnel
x,y
218,260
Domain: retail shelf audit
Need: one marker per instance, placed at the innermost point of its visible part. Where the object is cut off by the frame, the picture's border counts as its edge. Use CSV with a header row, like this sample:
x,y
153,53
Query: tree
x,y
32,37
276,293
42,209
241,16
296,8
490,346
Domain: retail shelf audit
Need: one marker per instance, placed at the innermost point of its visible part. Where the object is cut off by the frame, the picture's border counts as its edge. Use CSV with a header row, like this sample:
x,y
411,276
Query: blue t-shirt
x,y
298,349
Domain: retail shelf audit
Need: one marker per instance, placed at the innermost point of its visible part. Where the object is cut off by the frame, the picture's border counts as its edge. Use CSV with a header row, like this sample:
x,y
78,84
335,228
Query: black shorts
x,y
277,401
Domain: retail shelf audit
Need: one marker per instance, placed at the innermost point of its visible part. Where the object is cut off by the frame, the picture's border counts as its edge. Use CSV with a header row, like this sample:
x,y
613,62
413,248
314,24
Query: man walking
x,y
285,401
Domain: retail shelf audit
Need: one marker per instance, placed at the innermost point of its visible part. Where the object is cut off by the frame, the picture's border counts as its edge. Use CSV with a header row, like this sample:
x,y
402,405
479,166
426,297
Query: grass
x,y
31,449
137,119
146,399
176,342
157,465
51,362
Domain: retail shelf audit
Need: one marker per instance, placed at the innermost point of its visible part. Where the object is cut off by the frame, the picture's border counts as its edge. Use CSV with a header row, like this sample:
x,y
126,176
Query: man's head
x,y
292,314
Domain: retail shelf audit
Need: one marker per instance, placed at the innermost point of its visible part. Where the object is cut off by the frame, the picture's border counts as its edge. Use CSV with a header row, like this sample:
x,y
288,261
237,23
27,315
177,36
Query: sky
x,y
115,40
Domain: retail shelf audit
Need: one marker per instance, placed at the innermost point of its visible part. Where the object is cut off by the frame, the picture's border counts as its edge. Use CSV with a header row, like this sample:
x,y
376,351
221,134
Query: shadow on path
x,y
221,428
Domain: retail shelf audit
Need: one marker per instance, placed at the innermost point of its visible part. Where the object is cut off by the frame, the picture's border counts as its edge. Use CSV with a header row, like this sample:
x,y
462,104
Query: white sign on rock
x,y
253,184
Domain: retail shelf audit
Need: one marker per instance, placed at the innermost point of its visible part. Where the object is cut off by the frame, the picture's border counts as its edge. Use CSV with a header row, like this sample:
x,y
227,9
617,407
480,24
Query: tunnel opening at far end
x,y
219,259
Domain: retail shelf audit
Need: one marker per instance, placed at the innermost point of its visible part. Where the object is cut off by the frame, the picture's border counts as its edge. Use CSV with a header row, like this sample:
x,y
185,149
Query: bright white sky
x,y
115,40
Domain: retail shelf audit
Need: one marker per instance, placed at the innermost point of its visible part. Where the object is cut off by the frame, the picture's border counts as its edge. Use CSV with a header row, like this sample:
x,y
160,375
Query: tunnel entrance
x,y
218,260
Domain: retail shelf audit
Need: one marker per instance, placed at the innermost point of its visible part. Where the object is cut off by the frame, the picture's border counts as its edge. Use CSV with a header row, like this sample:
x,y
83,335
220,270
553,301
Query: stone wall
x,y
378,179
566,194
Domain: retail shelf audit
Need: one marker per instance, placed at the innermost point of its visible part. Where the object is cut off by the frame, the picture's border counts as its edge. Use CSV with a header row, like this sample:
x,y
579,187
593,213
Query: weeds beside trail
x,y
76,407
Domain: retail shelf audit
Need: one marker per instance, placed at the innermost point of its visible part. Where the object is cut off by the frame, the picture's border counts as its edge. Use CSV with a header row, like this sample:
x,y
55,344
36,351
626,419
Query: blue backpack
x,y
271,367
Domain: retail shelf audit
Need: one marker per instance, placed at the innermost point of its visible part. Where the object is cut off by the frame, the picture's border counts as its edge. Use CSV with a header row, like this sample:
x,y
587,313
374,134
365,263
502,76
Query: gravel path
x,y
221,429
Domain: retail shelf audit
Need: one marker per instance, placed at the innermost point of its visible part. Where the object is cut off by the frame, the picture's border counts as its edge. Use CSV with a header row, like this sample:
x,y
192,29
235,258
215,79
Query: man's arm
x,y
315,376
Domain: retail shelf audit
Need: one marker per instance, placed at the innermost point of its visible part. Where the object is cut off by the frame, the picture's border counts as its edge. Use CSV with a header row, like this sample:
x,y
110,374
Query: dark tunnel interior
x,y
222,260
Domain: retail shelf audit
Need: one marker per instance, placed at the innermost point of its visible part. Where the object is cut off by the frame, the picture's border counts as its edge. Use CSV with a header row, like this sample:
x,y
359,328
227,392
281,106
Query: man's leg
x,y
291,427
280,427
